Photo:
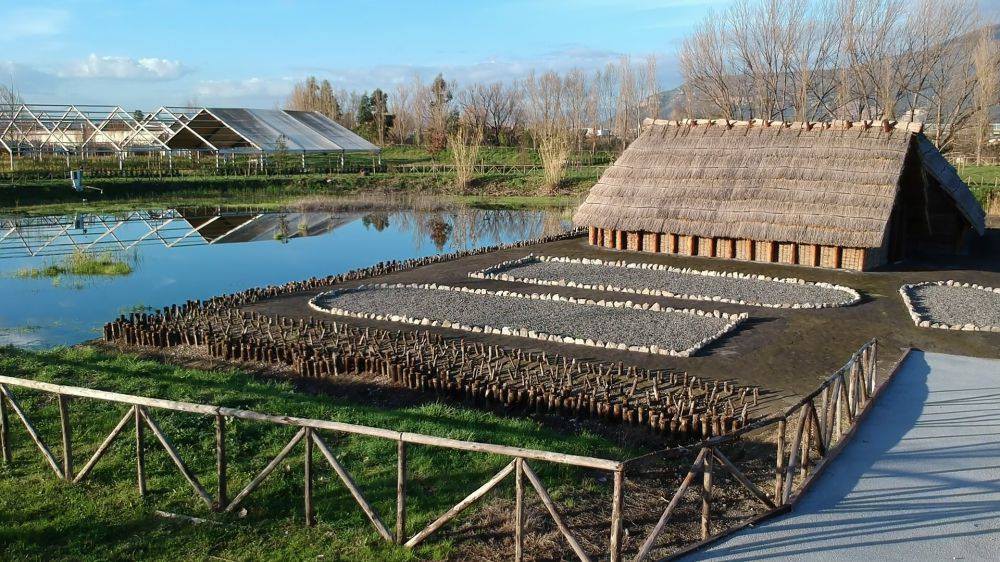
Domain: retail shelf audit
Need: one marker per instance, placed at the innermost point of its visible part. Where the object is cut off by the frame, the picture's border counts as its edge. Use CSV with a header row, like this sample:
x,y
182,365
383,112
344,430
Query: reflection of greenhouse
x,y
62,235
457,227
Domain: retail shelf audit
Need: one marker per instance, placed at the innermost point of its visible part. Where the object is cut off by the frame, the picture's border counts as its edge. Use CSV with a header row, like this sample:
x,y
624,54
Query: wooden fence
x,y
819,425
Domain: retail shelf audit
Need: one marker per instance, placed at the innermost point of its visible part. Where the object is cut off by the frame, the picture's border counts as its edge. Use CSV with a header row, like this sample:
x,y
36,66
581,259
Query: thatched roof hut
x,y
850,195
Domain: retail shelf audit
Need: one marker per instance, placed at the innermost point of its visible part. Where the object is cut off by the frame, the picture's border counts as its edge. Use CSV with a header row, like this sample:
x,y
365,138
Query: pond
x,y
180,254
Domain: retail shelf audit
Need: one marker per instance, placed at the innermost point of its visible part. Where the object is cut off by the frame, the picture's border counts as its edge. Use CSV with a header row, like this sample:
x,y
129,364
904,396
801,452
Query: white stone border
x,y
734,319
926,321
496,273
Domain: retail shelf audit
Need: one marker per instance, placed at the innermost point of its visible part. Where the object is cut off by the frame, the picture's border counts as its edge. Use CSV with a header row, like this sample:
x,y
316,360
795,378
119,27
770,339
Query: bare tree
x,y
986,61
404,123
311,95
846,59
439,111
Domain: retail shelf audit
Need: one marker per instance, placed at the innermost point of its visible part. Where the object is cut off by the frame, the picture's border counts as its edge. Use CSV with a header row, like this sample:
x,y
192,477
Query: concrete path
x,y
920,481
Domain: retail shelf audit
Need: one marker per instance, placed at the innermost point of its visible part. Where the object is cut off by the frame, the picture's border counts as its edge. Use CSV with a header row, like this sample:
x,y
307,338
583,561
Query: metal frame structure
x,y
35,130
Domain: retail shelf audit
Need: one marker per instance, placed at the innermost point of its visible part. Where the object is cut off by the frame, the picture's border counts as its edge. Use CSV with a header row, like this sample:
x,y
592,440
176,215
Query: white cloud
x,y
125,68
22,23
247,88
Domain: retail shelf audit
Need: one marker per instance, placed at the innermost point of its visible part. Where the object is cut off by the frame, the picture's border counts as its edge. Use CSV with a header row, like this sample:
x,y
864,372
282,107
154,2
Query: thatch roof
x,y
824,183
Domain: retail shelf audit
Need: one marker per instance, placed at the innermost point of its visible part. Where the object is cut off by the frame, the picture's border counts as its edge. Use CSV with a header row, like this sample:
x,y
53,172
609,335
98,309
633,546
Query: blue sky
x,y
144,54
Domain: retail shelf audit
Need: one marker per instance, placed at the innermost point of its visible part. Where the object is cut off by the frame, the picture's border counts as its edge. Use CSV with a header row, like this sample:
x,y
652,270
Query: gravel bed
x,y
661,280
951,305
609,324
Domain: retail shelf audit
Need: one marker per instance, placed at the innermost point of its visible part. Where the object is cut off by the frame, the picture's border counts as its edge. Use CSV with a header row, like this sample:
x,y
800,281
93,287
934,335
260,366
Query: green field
x,y
103,518
273,192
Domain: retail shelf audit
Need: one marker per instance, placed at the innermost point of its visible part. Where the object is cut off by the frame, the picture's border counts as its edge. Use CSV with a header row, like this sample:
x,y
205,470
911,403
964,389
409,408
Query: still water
x,y
181,254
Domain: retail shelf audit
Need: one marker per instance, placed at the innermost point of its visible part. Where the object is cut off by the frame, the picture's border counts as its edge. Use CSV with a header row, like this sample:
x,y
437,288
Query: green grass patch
x,y
985,184
42,518
81,263
49,197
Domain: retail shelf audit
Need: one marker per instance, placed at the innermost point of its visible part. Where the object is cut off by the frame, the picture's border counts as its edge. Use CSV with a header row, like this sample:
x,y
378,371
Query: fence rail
x,y
819,424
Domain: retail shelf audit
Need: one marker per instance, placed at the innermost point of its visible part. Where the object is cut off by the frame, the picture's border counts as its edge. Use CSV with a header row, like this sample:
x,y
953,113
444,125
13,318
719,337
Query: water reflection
x,y
182,254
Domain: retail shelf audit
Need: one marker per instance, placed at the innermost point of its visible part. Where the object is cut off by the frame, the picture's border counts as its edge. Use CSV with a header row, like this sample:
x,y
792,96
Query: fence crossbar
x,y
412,438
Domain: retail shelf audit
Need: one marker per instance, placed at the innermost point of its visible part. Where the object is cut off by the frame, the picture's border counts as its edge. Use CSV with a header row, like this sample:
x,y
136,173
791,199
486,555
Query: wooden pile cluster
x,y
670,403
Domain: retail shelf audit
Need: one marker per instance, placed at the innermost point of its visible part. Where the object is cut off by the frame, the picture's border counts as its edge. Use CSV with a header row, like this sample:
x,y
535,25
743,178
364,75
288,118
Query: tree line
x,y
934,61
612,100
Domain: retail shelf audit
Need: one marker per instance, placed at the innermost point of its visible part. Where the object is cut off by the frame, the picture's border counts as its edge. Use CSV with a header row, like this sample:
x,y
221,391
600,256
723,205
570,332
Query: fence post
x,y
140,461
67,438
400,491
874,369
779,465
519,510
706,494
4,431
310,520
221,462
616,515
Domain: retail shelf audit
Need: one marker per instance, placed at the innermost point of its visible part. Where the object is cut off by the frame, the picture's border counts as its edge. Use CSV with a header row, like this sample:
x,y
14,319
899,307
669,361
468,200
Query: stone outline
x,y
926,321
495,272
734,319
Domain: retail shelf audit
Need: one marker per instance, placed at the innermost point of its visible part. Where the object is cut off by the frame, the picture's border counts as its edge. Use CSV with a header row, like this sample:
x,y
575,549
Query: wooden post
x,y
400,491
616,516
67,438
706,496
310,520
804,461
4,431
838,429
793,457
779,467
221,463
519,510
140,459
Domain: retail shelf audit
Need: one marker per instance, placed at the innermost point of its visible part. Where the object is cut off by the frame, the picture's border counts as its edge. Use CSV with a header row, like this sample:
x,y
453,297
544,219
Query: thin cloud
x,y
248,88
124,68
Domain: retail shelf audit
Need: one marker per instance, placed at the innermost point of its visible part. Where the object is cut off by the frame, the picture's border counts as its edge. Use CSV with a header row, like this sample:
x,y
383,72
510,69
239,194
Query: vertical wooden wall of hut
x,y
762,251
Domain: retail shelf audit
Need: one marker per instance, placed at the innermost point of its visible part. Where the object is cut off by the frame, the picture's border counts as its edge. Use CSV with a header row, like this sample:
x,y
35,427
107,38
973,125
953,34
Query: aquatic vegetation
x,y
81,263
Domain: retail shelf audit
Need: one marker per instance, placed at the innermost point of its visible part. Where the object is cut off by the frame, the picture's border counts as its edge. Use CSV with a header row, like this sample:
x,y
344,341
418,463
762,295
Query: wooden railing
x,y
141,417
819,425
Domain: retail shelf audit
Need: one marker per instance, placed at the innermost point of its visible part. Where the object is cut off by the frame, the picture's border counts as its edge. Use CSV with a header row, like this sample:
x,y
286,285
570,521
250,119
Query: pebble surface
x,y
757,291
669,330
955,305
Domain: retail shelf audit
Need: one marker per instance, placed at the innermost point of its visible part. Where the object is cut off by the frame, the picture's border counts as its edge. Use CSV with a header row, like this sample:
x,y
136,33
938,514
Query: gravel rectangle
x,y
952,305
662,280
617,325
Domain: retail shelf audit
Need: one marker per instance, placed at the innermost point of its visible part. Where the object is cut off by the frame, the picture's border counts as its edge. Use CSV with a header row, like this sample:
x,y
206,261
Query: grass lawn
x,y
42,518
985,184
